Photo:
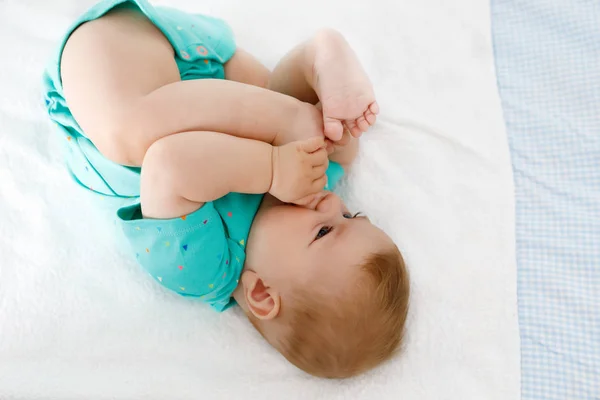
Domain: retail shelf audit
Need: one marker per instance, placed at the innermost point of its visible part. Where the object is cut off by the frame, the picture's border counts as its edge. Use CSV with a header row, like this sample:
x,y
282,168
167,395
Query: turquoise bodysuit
x,y
200,255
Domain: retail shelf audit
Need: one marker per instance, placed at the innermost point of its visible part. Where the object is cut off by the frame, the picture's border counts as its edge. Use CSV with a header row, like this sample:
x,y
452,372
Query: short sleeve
x,y
190,255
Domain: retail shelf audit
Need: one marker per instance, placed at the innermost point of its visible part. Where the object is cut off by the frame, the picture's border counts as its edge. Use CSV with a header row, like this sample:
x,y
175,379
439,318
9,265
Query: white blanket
x,y
79,319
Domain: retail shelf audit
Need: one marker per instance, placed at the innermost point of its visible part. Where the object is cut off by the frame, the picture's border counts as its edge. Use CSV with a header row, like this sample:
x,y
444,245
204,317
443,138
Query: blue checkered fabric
x,y
548,66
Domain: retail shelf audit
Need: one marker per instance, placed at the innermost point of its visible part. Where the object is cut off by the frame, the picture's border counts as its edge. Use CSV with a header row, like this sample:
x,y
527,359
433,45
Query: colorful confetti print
x,y
201,50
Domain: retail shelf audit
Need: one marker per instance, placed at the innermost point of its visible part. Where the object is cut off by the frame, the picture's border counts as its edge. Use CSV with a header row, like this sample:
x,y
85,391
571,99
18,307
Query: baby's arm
x,y
183,171
212,105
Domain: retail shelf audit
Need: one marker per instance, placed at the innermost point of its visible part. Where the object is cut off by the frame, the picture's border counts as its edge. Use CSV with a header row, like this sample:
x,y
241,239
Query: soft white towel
x,y
79,319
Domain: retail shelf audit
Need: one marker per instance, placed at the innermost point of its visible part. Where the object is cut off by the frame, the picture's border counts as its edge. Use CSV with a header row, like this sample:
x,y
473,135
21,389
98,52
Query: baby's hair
x,y
352,333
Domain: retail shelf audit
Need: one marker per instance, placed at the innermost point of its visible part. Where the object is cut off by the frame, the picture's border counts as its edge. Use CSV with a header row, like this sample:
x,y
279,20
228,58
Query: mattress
x,y
81,320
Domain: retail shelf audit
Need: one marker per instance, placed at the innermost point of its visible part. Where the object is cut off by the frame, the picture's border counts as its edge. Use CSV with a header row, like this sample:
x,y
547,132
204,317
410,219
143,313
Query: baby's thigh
x,y
245,68
108,65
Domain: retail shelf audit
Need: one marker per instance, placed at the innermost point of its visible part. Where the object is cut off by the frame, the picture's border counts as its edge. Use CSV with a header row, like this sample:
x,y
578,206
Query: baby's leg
x,y
107,66
245,68
122,84
326,69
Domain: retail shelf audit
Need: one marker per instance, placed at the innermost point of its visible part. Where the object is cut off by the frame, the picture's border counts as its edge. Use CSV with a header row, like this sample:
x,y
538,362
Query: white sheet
x,y
80,320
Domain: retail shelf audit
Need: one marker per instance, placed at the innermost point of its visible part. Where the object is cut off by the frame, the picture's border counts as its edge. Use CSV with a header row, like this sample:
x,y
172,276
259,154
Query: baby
x,y
229,162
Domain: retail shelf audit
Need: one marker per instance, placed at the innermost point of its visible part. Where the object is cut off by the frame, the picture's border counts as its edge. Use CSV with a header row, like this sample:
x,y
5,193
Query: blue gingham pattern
x,y
548,66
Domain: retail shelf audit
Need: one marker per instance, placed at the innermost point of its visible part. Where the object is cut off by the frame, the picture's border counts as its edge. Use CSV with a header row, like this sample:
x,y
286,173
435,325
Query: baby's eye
x,y
322,232
347,215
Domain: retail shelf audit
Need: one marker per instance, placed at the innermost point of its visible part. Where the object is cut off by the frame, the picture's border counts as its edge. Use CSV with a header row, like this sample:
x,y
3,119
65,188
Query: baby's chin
x,y
271,214
267,224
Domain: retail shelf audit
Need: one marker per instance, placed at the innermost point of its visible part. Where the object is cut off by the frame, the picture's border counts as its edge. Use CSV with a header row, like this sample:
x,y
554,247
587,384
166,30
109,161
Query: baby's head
x,y
327,289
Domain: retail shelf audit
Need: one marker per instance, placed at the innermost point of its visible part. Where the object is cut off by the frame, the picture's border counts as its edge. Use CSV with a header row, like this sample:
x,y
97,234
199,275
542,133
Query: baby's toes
x,y
370,117
353,128
333,128
362,123
374,108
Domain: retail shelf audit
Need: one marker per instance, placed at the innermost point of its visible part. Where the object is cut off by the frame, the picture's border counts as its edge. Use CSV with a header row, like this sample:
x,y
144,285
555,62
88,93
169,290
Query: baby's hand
x,y
299,170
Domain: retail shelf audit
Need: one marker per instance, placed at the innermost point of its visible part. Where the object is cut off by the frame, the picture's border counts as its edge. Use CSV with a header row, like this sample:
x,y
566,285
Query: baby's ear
x,y
263,302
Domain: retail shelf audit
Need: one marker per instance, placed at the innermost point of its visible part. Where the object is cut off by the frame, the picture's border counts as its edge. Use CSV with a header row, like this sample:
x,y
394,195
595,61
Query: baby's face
x,y
291,245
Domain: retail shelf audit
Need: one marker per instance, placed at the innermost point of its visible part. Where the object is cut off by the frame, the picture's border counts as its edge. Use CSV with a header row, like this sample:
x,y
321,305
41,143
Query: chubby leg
x,y
326,69
243,67
104,71
123,87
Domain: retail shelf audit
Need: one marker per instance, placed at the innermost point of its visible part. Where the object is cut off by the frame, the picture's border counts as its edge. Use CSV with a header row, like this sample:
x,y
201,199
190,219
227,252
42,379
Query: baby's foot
x,y
343,87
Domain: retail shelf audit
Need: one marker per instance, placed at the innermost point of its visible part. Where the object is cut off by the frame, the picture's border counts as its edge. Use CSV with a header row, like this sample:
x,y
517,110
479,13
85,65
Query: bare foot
x,y
343,87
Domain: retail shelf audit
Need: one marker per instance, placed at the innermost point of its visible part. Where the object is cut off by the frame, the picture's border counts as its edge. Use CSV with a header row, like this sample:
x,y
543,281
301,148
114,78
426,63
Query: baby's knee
x,y
158,169
328,34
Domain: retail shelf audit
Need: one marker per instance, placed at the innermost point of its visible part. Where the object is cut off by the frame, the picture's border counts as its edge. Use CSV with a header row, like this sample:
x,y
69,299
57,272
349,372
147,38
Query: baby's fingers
x,y
319,183
319,171
319,157
308,201
313,144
